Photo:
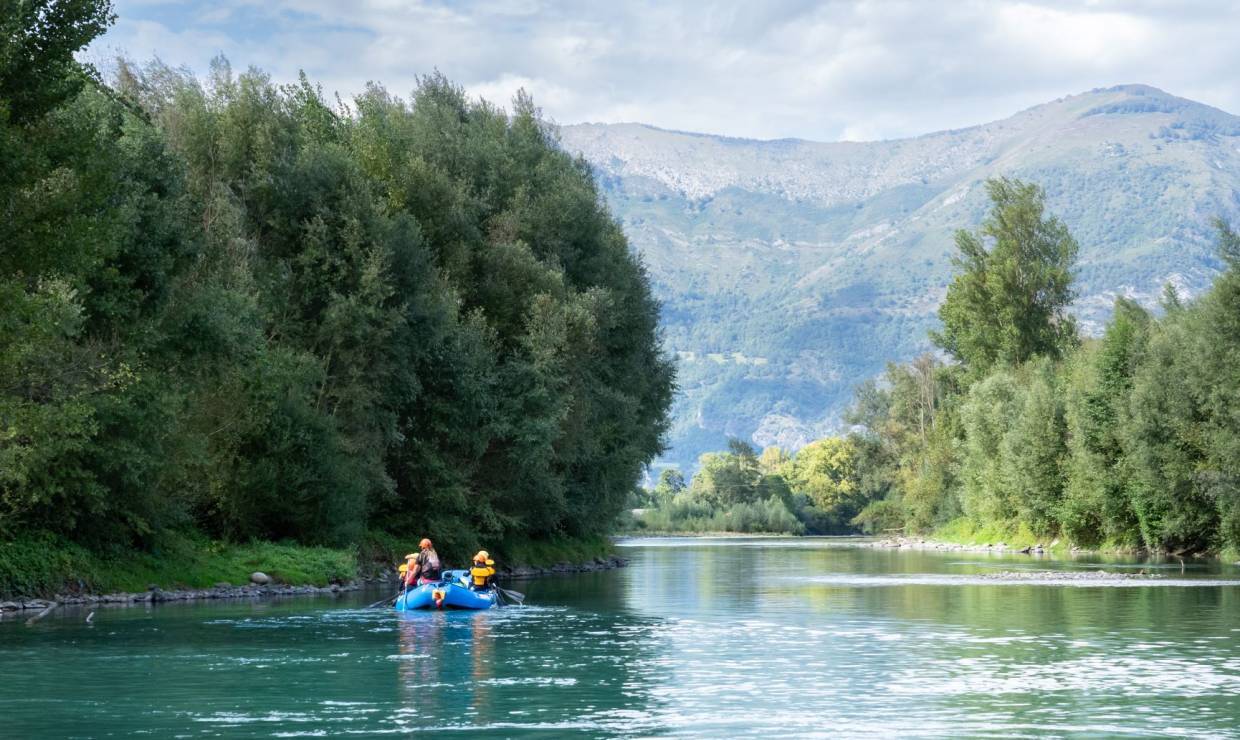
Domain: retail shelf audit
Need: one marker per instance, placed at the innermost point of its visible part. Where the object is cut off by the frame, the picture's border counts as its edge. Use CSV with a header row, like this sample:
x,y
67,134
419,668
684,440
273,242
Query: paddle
x,y
516,597
391,599
385,602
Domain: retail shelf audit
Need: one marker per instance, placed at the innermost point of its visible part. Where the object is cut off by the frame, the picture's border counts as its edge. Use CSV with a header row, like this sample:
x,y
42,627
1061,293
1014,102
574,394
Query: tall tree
x,y
37,42
1009,302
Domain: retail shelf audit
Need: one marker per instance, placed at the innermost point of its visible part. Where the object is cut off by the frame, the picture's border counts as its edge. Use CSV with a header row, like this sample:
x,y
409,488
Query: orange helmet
x,y
481,557
424,543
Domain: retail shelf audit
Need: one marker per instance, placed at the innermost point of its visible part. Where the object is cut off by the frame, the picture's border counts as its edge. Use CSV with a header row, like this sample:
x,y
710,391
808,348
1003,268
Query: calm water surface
x,y
697,638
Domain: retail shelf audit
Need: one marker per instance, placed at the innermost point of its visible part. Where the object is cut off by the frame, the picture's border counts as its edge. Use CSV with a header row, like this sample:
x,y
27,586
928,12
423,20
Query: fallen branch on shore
x,y
50,607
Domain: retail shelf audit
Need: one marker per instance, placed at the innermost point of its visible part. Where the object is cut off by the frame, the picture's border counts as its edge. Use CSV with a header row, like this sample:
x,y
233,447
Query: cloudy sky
x,y
830,70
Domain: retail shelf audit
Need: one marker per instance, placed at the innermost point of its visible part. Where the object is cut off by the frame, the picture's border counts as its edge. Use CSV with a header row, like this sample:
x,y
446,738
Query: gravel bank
x,y
917,543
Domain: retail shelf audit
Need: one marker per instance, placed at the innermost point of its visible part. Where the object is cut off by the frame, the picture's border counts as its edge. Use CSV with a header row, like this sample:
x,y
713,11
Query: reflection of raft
x,y
452,592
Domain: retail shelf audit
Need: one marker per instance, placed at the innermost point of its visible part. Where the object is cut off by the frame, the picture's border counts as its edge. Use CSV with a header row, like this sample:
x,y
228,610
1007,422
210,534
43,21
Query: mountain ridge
x,y
790,269
1137,88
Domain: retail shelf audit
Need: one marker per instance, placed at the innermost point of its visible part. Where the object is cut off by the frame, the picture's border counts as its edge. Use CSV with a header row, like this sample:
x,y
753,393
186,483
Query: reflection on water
x,y
702,638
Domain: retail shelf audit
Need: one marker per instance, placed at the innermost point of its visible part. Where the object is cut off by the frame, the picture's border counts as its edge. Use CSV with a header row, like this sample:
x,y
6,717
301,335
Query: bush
x,y
768,516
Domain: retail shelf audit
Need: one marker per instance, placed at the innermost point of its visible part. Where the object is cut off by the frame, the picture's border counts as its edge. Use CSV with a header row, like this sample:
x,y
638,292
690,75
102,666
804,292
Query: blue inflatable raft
x,y
451,592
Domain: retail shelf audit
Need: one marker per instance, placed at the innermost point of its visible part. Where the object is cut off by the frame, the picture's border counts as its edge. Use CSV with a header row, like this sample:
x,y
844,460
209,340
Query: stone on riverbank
x,y
260,578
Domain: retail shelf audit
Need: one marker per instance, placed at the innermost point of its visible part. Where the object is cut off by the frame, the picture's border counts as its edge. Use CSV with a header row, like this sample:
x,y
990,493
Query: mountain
x,y
791,270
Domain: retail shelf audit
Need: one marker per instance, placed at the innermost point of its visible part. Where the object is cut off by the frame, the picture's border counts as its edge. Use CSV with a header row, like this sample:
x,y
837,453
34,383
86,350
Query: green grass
x,y
543,553
44,565
967,532
198,564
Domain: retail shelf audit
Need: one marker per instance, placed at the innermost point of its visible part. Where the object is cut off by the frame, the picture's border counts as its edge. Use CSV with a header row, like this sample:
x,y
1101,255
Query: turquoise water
x,y
697,638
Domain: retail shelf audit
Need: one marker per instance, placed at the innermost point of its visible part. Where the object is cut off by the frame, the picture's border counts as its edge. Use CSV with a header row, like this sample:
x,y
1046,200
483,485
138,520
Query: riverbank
x,y
34,572
44,566
157,595
964,535
1035,549
920,543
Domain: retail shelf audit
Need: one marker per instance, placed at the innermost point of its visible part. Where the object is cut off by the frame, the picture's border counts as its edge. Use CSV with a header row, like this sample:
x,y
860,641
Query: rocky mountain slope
x,y
791,270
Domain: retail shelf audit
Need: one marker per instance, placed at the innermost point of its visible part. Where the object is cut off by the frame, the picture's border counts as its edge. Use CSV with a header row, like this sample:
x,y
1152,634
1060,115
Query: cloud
x,y
782,68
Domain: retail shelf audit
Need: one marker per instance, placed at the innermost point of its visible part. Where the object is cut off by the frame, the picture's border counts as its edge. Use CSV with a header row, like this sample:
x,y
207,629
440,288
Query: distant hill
x,y
792,270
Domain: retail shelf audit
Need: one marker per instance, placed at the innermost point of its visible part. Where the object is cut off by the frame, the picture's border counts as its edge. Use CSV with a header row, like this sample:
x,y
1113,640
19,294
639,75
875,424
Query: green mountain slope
x,y
791,270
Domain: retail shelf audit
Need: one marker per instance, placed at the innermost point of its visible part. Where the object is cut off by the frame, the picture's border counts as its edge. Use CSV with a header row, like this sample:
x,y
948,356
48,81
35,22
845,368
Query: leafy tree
x,y
1008,303
671,484
825,471
234,308
1098,388
37,41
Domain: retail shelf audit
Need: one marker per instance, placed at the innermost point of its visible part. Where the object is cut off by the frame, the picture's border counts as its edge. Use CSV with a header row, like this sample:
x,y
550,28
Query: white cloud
x,y
847,69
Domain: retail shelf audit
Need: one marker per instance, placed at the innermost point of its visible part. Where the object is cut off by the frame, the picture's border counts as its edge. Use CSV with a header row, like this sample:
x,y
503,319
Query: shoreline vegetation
x,y
218,570
245,323
1018,428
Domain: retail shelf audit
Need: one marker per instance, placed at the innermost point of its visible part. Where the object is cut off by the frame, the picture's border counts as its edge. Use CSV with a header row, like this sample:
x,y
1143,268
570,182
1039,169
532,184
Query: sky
x,y
832,70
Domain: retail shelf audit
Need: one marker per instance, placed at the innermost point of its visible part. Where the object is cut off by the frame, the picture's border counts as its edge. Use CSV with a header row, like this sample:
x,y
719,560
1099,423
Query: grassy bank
x,y
543,553
964,532
43,566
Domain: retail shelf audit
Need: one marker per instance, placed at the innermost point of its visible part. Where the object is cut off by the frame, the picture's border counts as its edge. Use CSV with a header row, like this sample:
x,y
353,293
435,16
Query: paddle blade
x,y
515,597
385,602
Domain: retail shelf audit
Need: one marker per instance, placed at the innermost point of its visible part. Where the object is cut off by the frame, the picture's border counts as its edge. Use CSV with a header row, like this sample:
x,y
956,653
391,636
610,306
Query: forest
x,y
234,310
1019,428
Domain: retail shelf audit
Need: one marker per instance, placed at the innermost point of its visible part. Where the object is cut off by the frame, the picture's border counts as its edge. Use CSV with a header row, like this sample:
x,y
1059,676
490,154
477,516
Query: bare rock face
x,y
260,578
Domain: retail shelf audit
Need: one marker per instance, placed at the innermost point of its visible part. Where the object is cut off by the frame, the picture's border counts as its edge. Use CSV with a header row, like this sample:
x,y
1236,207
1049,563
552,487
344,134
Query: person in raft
x,y
424,566
483,571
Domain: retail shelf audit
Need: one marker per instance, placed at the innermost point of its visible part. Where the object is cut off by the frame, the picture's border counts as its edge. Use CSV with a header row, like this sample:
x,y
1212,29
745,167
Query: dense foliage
x,y
232,308
819,490
1129,440
1008,302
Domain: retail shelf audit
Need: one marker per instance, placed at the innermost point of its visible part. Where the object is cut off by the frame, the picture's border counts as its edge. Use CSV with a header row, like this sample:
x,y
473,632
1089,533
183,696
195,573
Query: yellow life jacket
x,y
481,574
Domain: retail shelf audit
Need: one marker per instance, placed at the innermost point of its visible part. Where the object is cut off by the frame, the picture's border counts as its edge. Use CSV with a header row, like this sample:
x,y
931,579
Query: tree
x,y
826,472
236,309
671,484
1009,303
1098,386
37,41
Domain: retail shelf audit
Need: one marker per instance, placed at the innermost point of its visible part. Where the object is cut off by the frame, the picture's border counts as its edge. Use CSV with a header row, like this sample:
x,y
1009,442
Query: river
x,y
697,638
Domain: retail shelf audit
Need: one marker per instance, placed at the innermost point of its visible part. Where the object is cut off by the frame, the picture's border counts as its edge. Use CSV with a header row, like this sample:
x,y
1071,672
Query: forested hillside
x,y
240,310
792,270
1019,428
1125,440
